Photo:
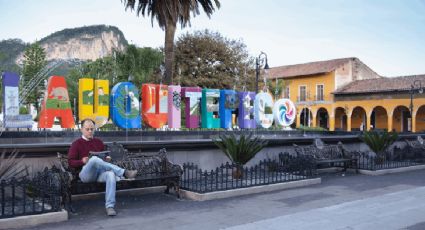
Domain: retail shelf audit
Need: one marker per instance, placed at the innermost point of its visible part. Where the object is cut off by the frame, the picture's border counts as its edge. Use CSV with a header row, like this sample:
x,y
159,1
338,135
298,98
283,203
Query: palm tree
x,y
168,13
379,142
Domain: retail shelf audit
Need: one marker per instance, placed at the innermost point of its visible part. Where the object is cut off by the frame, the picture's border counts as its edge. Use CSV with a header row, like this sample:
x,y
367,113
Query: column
x,y
367,123
331,123
348,123
390,123
413,123
298,122
313,121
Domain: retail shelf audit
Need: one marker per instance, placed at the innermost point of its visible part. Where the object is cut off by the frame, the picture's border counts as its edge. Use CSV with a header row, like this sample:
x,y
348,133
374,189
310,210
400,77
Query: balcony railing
x,y
315,100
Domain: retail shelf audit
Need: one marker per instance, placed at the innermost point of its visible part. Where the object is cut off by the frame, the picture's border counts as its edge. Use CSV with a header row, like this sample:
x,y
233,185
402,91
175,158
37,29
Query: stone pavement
x,y
394,201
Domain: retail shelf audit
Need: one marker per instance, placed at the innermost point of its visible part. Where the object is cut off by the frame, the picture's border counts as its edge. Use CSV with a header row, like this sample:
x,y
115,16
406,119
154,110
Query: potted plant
x,y
379,142
240,149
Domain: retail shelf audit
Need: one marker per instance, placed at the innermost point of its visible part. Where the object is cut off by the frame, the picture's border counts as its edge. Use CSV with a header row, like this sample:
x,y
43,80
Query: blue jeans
x,y
101,171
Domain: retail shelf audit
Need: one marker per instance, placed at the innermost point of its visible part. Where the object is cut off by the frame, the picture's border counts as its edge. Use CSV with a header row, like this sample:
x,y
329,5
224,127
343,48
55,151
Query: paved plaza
x,y
394,201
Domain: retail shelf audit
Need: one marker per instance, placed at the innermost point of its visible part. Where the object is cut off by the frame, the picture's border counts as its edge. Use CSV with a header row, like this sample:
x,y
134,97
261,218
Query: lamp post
x,y
415,88
262,58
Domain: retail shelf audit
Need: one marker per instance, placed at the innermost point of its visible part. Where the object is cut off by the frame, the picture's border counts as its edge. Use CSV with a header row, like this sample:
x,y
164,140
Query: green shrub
x,y
23,110
379,141
240,150
306,128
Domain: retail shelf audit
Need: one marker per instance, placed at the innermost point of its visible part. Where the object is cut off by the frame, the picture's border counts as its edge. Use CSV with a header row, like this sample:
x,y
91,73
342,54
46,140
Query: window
x,y
303,93
286,94
319,93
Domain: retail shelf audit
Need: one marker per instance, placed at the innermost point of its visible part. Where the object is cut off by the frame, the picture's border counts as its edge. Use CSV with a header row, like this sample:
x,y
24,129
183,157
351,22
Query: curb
x,y
33,220
388,171
133,191
250,190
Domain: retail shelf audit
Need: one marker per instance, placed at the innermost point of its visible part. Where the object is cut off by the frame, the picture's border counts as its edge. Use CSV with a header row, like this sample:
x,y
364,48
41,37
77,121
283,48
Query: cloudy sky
x,y
387,35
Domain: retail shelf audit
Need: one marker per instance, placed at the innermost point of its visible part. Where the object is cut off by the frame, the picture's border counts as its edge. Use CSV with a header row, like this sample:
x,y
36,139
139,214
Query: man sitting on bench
x,y
95,169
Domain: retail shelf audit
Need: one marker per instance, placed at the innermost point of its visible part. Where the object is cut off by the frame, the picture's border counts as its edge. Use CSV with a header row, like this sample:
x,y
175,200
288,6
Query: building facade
x,y
345,94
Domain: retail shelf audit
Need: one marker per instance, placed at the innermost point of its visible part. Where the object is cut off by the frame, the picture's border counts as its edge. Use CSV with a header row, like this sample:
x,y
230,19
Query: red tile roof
x,y
385,84
307,69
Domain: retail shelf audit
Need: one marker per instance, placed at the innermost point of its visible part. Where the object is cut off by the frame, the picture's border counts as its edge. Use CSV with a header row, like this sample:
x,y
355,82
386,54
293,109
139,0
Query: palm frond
x,y
379,141
10,167
240,150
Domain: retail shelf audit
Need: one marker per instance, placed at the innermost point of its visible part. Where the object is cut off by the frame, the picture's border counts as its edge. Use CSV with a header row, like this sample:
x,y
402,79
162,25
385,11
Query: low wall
x,y
208,159
182,147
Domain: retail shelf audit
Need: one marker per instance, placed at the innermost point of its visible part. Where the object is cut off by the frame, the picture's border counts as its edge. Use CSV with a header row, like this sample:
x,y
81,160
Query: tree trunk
x,y
238,172
170,31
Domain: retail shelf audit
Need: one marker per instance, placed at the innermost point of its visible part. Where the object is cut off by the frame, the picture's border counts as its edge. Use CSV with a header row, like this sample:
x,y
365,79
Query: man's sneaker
x,y
111,212
130,174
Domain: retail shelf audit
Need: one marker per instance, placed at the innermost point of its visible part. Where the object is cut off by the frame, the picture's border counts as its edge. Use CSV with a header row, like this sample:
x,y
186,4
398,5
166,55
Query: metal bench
x,y
329,155
153,170
414,150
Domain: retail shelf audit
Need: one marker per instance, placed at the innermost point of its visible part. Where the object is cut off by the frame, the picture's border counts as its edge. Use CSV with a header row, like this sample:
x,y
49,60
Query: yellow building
x,y
345,94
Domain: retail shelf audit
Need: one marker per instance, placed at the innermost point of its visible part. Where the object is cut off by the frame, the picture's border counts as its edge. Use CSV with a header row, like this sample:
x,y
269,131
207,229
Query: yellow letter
x,y
93,100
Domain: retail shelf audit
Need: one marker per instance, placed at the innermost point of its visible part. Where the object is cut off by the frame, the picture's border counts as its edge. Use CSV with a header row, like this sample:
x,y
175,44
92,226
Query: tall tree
x,y
101,68
168,13
207,59
34,61
139,64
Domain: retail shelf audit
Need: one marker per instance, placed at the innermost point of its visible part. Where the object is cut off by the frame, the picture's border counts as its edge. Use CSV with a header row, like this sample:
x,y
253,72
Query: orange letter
x,y
56,104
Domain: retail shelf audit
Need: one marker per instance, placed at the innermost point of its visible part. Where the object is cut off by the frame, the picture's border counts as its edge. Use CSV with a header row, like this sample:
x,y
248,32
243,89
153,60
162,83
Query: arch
x,y
358,118
322,118
379,118
340,119
401,119
420,119
305,117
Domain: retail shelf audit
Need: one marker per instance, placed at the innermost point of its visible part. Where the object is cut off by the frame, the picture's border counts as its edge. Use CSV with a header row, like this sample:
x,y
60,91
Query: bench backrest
x,y
147,165
151,165
326,152
117,153
414,144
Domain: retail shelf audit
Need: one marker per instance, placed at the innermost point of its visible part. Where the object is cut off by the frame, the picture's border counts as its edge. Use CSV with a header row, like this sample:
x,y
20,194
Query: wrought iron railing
x,y
232,176
367,161
28,196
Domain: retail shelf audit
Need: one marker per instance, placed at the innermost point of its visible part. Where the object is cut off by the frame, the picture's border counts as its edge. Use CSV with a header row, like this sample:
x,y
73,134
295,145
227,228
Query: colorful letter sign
x,y
246,110
11,116
56,104
229,102
192,98
210,108
263,105
174,104
155,105
284,112
161,104
125,108
93,100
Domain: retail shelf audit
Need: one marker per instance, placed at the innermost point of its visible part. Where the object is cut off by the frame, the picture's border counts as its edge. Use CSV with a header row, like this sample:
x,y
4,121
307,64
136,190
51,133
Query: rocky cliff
x,y
84,43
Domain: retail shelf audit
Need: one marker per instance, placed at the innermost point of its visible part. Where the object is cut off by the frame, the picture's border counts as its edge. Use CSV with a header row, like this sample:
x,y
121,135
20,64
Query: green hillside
x,y
9,51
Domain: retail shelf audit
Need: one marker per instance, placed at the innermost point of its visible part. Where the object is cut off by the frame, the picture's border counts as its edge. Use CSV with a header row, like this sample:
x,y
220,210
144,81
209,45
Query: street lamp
x,y
262,58
415,88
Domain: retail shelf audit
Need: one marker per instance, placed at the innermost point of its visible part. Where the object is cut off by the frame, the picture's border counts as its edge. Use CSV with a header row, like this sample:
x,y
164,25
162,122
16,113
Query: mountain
x,y
9,51
83,43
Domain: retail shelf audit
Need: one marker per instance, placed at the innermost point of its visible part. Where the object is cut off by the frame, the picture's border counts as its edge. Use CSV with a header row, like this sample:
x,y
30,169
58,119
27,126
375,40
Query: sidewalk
x,y
394,201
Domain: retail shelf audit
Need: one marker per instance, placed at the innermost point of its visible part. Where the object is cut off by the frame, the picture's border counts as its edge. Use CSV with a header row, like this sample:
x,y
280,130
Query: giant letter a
x,y
56,104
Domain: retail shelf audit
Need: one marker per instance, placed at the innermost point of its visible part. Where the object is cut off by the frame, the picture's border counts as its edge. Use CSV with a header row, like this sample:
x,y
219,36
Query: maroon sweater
x,y
80,148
